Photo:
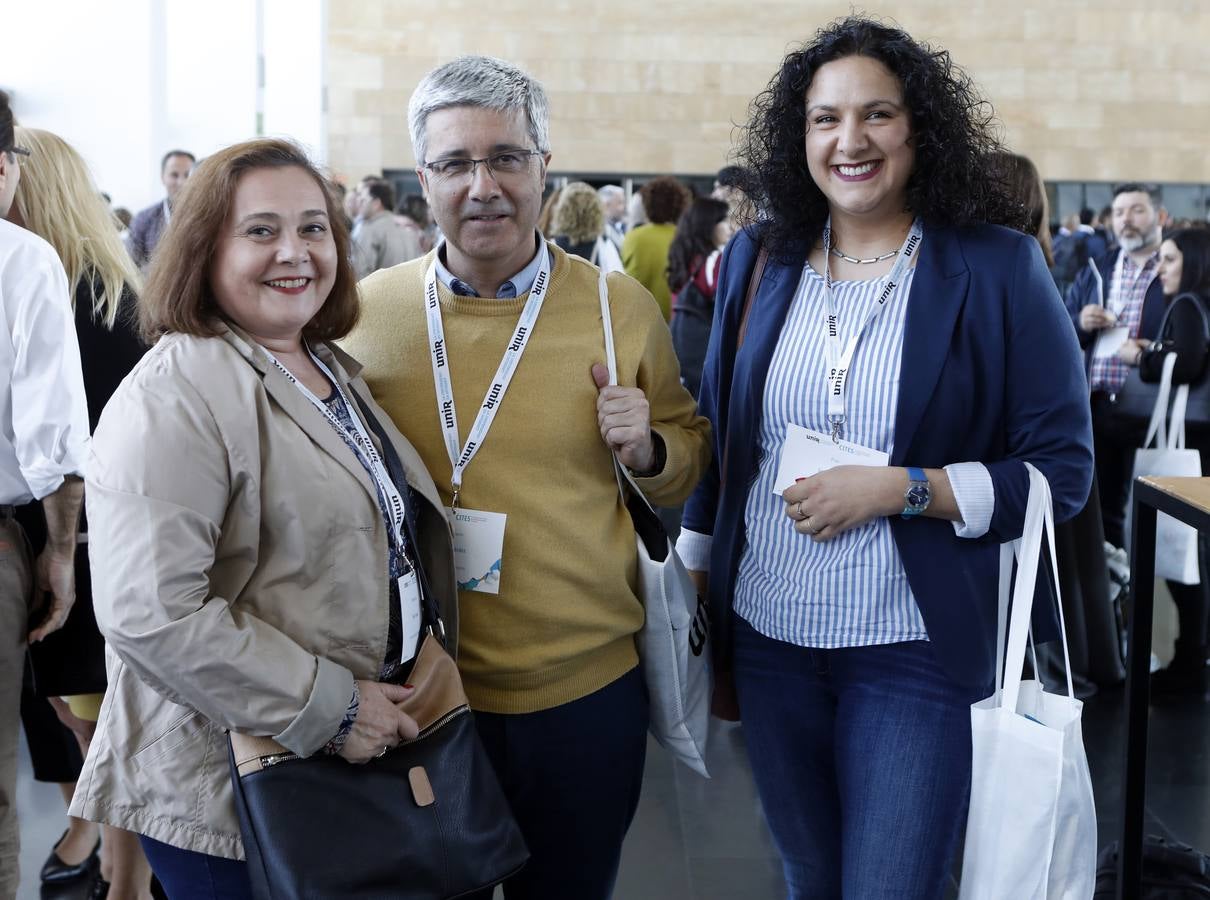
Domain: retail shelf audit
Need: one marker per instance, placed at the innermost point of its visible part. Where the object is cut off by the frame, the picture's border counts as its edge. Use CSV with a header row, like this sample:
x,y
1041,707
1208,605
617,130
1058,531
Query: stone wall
x,y
1092,90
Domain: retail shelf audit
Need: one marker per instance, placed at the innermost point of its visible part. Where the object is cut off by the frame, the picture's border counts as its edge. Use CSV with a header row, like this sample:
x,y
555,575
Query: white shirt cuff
x,y
975,495
694,550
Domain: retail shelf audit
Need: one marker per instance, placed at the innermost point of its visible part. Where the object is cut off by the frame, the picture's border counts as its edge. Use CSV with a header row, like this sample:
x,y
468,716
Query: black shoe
x,y
55,871
1185,676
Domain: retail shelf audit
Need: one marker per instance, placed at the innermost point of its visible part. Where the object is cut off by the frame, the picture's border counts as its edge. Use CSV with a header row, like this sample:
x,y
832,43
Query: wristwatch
x,y
918,494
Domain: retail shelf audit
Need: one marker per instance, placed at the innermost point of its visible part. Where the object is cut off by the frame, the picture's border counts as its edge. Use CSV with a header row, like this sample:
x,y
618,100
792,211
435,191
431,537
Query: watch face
x,y
918,496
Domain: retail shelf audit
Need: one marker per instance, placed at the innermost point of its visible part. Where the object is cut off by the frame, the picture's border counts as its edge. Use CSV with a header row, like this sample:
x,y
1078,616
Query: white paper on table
x,y
806,453
1109,341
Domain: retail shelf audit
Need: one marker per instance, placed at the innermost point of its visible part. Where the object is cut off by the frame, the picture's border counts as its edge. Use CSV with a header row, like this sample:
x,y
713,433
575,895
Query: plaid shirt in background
x,y
1126,300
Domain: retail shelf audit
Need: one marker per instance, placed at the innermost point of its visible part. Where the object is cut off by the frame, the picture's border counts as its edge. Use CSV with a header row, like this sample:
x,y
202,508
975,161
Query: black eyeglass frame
x,y
431,167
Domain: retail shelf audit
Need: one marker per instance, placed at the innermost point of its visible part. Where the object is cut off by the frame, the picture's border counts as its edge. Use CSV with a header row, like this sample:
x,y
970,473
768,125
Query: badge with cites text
x,y
478,549
806,453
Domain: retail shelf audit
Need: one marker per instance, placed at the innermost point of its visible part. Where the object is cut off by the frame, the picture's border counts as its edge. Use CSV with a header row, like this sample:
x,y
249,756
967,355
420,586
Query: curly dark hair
x,y
694,238
952,135
664,199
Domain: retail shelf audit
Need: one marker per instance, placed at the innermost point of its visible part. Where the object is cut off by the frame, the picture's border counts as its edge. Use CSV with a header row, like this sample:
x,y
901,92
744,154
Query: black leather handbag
x,y
428,820
1136,400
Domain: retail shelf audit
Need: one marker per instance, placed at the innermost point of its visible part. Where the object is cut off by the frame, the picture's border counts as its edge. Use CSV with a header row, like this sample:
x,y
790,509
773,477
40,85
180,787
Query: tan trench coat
x,y
239,567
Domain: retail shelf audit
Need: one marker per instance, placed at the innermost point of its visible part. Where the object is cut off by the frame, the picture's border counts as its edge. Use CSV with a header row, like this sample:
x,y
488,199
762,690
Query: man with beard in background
x,y
1115,298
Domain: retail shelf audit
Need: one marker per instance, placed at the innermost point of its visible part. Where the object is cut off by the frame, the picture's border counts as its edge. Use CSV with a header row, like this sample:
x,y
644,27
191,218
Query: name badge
x,y
478,549
806,453
409,614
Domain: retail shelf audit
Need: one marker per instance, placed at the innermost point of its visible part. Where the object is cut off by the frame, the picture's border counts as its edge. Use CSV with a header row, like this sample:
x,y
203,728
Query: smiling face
x,y
858,140
488,219
275,261
1171,260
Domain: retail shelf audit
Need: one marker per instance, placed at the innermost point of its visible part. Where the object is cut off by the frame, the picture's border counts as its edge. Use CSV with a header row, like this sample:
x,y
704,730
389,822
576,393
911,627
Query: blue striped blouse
x,y
852,590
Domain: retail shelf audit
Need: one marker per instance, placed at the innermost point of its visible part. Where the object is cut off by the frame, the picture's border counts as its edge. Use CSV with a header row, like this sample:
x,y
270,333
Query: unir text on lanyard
x,y
461,456
839,354
371,459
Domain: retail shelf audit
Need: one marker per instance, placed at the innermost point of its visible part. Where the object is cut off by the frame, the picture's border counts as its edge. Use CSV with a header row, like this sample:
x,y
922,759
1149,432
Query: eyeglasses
x,y
457,168
20,151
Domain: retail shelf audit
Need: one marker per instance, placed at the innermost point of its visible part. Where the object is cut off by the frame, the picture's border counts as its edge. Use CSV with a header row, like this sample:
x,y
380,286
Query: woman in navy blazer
x,y
857,610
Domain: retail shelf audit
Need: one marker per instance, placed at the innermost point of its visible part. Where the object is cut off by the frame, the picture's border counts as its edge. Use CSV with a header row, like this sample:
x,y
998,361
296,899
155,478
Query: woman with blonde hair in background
x,y
578,226
58,201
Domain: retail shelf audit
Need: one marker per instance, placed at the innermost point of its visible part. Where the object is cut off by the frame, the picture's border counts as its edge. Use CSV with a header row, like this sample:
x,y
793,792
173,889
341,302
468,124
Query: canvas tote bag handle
x,y
1159,413
1039,523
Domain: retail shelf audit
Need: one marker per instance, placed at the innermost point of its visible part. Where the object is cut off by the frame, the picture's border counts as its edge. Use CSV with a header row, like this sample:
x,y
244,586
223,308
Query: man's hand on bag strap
x,y
624,417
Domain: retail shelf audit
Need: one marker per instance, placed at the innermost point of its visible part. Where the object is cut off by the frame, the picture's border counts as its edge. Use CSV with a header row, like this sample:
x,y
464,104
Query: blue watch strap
x,y
918,494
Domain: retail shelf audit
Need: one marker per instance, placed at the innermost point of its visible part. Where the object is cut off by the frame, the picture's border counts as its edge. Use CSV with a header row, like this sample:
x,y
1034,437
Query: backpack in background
x,y
692,318
1071,255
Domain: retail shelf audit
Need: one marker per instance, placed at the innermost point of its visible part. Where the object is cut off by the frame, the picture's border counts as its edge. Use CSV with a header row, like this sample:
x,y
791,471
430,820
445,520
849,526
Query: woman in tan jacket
x,y
255,568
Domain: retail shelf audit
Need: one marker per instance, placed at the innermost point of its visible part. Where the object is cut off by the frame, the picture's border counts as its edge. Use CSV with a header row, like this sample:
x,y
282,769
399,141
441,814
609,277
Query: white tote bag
x,y
605,256
1175,543
1032,831
674,647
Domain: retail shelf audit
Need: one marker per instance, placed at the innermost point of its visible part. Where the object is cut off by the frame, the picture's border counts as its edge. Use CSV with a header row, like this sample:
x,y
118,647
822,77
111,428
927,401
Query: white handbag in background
x,y
1031,833
674,646
1176,555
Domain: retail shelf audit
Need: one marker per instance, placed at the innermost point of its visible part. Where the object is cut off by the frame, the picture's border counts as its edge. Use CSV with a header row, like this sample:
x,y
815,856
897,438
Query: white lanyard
x,y
367,453
460,456
1118,286
839,356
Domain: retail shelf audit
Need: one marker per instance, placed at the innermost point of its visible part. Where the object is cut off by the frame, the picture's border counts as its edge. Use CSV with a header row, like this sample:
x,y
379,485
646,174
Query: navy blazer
x,y
991,373
1083,291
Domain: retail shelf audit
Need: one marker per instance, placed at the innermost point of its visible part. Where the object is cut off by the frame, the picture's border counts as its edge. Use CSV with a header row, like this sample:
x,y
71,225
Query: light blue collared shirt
x,y
516,286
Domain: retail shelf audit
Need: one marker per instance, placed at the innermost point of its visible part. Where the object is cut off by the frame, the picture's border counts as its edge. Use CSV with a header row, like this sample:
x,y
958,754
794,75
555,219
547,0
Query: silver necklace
x,y
854,259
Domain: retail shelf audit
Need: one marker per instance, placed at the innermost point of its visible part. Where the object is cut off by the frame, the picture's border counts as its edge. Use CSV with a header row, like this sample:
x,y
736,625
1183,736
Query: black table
x,y
1187,500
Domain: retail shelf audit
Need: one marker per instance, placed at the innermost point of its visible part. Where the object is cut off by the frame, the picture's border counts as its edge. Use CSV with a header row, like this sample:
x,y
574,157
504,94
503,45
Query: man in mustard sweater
x,y
488,354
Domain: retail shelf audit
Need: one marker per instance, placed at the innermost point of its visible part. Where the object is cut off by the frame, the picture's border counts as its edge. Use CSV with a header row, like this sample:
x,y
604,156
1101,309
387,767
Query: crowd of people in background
x,y
237,376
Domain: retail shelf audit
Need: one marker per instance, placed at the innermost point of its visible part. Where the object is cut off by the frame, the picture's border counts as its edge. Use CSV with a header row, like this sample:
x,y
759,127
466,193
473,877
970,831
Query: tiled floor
x,y
695,839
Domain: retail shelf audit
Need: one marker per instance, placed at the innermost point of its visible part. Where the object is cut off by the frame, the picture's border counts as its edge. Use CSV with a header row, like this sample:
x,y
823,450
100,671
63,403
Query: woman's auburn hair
x,y
178,297
952,135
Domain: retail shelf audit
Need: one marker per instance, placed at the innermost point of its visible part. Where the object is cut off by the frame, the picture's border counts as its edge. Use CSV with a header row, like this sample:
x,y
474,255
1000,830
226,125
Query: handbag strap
x,y
758,271
399,476
647,523
623,475
1157,426
1039,525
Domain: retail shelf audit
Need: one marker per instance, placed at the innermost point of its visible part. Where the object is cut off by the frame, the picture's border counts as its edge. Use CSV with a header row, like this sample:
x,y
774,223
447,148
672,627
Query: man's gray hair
x,y
478,81
610,190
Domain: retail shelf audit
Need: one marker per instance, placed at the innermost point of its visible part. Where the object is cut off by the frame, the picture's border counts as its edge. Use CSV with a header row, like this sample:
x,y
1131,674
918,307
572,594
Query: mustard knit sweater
x,y
563,624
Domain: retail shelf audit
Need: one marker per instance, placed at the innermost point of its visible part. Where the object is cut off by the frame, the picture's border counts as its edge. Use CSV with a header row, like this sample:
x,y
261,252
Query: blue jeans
x,y
188,875
862,758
